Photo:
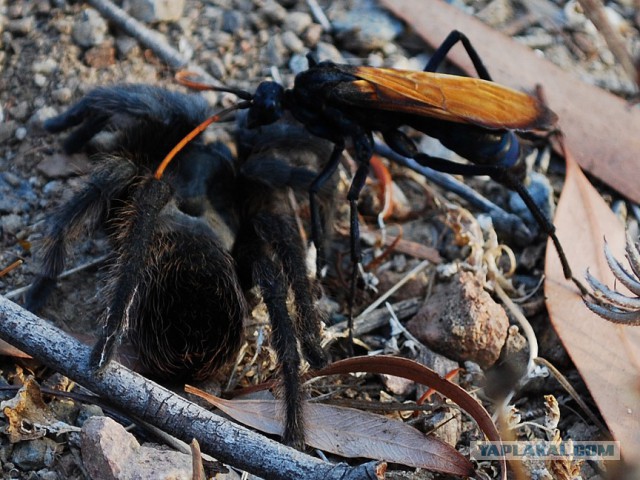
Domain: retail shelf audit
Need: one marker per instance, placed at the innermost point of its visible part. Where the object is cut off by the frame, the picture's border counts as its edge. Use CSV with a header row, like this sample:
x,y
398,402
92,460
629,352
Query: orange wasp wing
x,y
447,97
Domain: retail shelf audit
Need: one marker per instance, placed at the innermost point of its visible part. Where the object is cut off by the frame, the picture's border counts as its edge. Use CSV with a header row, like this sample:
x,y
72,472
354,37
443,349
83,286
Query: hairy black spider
x,y
173,285
187,243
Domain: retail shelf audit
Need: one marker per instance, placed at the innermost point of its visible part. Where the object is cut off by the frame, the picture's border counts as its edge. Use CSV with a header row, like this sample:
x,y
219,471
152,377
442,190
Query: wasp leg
x,y
454,37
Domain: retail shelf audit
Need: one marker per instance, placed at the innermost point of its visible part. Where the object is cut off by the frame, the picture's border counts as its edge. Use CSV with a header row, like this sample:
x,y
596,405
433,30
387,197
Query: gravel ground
x,y
54,52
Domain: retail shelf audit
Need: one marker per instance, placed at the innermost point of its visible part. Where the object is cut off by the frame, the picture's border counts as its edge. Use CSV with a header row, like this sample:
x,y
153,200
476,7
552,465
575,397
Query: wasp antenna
x,y
192,80
193,134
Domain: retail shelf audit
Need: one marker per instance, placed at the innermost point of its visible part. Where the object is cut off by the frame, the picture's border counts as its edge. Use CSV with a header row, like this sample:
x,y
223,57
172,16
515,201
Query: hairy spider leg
x,y
270,254
254,260
147,202
90,203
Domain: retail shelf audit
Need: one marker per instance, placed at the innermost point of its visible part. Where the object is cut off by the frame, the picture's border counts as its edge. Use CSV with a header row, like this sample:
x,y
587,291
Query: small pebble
x,y
152,11
23,26
62,95
21,133
41,115
273,11
462,321
232,21
312,35
40,80
46,66
89,29
35,454
297,22
366,29
7,130
292,42
126,45
11,224
86,412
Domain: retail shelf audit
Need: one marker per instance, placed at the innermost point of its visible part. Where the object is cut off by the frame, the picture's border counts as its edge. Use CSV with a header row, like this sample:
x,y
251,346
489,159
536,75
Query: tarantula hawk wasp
x,y
474,117
189,236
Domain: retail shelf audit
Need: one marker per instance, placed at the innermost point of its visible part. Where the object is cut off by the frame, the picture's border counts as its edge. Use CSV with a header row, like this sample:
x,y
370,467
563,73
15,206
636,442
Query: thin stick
x,y
382,298
572,391
594,10
147,37
96,261
13,266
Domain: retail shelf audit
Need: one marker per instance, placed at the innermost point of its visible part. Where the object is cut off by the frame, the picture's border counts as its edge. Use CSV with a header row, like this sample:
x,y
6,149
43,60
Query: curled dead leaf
x,y
350,433
29,417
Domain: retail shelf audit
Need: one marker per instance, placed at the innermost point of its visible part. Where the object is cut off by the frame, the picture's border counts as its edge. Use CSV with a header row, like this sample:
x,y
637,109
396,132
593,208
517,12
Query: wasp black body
x,y
188,244
476,118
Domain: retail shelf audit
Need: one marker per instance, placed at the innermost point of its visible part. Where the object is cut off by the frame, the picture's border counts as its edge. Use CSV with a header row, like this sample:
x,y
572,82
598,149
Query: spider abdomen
x,y
190,314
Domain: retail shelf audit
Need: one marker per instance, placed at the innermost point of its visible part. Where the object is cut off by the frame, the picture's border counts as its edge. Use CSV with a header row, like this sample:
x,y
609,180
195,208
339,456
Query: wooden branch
x,y
147,37
226,441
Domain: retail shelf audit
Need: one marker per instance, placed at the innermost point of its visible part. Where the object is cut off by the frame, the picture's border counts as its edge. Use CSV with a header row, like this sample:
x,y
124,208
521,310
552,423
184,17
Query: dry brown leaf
x,y
590,118
603,352
11,351
29,417
350,433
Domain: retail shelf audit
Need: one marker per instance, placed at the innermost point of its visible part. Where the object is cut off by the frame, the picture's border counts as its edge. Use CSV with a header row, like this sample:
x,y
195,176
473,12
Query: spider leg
x,y
108,106
91,203
282,234
270,280
140,219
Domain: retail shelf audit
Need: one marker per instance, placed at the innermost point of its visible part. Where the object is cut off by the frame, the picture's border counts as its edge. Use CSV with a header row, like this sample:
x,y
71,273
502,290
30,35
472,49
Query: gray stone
x,y
366,29
292,42
297,22
86,412
11,224
62,95
22,26
109,452
35,454
152,11
7,130
90,28
327,51
232,21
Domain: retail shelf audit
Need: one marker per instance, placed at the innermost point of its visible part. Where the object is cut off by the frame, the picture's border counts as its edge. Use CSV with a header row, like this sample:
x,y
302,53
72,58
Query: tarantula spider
x,y
187,243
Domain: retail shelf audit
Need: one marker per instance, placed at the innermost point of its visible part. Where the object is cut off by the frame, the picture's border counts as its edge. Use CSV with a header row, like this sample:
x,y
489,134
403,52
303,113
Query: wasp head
x,y
266,106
